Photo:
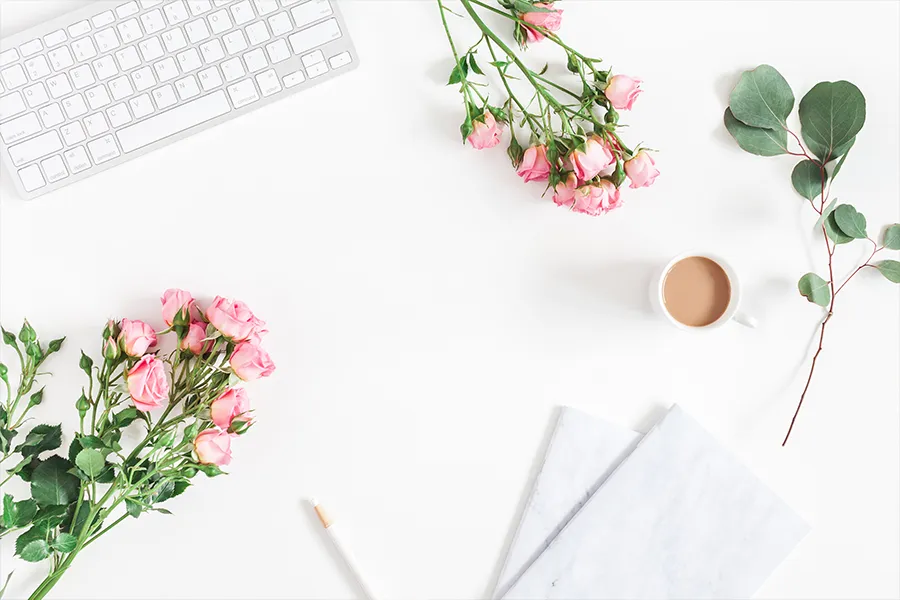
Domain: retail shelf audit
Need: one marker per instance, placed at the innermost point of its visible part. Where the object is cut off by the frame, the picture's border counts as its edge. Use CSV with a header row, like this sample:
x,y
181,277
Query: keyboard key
x,y
278,51
292,79
280,24
128,9
153,22
173,121
84,49
289,2
341,60
209,79
150,3
198,7
255,60
176,12
59,86
103,19
143,79
151,49
55,38
120,88
268,83
77,159
72,133
141,106
78,29
14,77
130,31
96,124
212,51
242,12
103,149
232,69
31,178
265,7
54,168
35,95
118,115
61,58
11,105
164,97
105,67
235,42
258,33
197,31
36,147
317,70
166,69
51,115
189,60
219,21
128,58
243,93
74,106
106,39
174,39
8,57
32,47
82,77
313,58
15,130
187,87
316,35
37,67
97,97
310,12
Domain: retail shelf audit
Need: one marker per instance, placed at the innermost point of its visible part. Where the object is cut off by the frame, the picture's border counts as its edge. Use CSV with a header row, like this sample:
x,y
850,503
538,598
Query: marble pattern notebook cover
x,y
679,518
583,451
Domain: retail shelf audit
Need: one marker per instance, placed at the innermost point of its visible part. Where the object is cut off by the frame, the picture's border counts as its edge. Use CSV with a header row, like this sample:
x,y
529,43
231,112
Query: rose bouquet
x,y
571,128
188,401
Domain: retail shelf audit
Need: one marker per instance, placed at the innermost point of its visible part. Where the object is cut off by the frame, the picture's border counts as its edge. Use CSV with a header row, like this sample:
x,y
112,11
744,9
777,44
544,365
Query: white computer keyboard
x,y
104,84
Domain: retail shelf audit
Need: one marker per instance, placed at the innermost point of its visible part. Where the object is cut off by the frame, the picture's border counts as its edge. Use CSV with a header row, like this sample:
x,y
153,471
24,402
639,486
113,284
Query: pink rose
x,y
147,383
622,91
249,361
213,447
534,166
234,320
565,191
641,170
194,340
135,337
232,403
593,199
173,302
595,159
551,21
486,132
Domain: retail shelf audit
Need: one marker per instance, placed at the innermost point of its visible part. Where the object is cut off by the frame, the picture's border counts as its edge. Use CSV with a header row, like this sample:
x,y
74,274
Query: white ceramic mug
x,y
657,294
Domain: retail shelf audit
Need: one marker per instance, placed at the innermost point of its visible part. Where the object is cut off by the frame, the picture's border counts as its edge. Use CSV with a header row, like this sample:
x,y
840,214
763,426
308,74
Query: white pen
x,y
334,533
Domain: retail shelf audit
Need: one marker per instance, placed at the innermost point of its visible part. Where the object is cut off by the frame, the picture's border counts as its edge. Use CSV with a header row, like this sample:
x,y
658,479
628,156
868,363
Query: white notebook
x,y
679,518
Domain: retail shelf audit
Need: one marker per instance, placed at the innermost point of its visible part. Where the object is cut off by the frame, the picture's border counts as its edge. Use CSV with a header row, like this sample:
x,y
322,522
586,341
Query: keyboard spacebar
x,y
173,121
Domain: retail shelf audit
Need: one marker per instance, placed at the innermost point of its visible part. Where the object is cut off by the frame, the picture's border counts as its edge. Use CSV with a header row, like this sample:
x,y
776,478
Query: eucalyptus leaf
x,y
834,232
762,98
52,484
756,140
825,214
831,114
815,289
892,237
890,269
807,179
840,165
851,222
90,461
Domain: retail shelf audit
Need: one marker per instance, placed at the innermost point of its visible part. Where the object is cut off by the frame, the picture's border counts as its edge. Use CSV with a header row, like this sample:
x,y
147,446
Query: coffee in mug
x,y
696,291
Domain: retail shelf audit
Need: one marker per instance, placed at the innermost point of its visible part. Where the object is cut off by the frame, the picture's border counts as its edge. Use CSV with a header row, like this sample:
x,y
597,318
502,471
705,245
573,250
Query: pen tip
x,y
313,501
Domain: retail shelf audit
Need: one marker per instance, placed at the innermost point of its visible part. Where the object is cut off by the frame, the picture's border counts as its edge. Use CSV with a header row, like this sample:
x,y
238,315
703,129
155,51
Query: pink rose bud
x,y
213,447
173,302
641,170
234,320
232,403
565,191
595,159
249,361
110,350
534,165
593,199
622,91
147,383
610,196
136,337
193,340
551,21
486,133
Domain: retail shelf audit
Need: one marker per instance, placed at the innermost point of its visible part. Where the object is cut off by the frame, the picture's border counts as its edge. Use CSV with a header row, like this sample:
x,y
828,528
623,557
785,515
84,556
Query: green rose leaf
x,y
51,483
35,551
474,65
52,516
762,98
126,417
180,486
755,140
64,542
38,532
164,491
815,289
17,514
890,269
831,114
9,515
459,71
132,508
6,437
807,179
90,461
834,232
40,439
892,237
851,222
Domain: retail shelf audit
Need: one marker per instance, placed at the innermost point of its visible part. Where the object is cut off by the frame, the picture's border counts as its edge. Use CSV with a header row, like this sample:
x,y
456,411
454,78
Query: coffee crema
x,y
696,291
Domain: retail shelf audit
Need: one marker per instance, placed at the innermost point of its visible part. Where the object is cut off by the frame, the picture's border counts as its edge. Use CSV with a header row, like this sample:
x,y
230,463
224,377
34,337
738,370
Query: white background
x,y
428,310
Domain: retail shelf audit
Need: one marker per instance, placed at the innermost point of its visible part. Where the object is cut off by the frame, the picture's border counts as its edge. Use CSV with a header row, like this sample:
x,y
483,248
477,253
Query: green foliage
x,y
64,542
475,67
762,98
51,482
891,239
125,417
6,438
890,269
807,179
851,222
459,71
35,551
40,439
91,462
815,289
843,154
133,508
759,141
37,533
831,114
834,232
52,515
17,514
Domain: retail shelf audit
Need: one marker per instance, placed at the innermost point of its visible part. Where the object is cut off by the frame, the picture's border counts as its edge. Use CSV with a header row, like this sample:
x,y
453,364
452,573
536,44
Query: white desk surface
x,y
429,311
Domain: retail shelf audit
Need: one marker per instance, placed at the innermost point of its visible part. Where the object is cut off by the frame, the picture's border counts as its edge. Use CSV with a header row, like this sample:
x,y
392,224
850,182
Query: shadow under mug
x,y
732,312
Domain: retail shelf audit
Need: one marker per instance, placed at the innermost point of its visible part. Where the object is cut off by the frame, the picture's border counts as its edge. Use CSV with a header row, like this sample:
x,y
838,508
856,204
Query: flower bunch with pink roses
x,y
188,398
573,143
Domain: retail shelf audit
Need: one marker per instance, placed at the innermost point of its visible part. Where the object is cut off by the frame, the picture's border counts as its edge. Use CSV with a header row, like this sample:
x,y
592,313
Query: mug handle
x,y
746,320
